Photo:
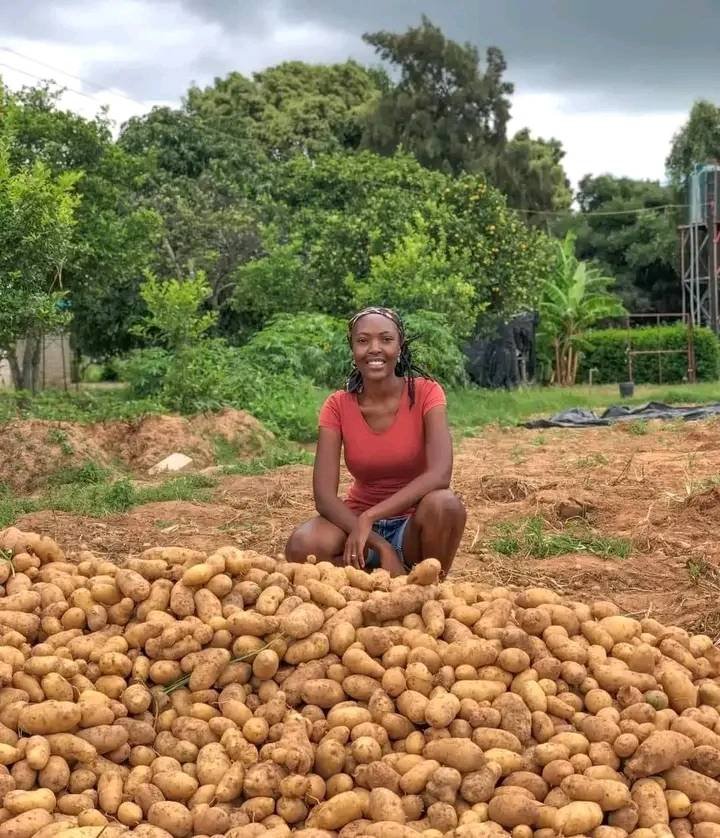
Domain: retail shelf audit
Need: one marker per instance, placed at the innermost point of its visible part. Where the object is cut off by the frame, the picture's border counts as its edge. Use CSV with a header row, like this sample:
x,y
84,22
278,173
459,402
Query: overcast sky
x,y
612,79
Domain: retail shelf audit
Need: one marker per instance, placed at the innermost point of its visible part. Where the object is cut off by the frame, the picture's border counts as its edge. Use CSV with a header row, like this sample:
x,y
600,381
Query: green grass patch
x,y
275,457
84,405
638,428
532,539
88,474
56,436
471,409
591,461
98,500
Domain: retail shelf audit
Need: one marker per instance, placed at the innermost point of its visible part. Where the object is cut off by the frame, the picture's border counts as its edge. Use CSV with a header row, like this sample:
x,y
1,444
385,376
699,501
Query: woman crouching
x,y
391,422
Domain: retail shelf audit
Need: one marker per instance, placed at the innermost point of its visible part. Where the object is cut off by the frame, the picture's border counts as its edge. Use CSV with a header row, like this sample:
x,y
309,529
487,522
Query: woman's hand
x,y
357,541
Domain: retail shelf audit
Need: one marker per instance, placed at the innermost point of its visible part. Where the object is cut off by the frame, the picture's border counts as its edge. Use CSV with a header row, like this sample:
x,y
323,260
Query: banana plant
x,y
574,298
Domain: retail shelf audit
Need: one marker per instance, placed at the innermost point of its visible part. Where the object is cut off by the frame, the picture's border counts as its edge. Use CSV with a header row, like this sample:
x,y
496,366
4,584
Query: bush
x,y
212,375
421,274
436,348
144,370
605,350
311,345
315,346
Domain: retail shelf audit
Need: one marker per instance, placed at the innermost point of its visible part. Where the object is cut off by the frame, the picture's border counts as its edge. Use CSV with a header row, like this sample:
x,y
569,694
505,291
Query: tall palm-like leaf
x,y
572,300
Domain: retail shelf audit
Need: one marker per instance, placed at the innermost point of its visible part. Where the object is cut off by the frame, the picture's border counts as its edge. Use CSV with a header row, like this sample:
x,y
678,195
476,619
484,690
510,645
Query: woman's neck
x,y
380,390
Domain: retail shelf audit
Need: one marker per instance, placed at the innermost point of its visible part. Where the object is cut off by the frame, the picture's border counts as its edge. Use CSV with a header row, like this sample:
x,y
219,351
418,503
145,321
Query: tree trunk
x,y
558,365
15,368
35,362
25,375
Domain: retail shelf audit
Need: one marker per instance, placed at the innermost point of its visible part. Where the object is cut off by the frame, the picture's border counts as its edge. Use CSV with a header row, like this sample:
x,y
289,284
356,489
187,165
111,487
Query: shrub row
x,y
605,351
281,374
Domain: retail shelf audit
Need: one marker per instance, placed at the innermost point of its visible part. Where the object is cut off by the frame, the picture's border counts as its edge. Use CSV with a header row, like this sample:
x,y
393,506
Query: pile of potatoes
x,y
235,694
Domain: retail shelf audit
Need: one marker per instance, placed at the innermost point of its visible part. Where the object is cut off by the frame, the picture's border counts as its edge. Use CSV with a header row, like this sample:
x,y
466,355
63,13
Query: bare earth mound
x,y
33,450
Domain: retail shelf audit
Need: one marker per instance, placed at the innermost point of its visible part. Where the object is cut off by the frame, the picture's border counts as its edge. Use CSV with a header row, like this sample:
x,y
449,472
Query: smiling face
x,y
375,343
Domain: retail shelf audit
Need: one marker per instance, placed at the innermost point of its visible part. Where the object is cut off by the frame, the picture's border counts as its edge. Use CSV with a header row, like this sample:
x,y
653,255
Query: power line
x,y
219,132
98,87
604,212
39,78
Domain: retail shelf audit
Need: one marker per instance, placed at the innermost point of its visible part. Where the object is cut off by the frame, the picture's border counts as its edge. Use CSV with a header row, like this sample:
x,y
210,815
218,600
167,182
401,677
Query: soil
x,y
656,489
32,451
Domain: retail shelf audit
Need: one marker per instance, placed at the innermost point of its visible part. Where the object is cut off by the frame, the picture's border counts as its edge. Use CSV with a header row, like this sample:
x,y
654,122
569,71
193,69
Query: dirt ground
x,y
656,488
33,450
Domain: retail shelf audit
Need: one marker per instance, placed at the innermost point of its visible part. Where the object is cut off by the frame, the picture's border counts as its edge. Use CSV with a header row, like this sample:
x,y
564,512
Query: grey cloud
x,y
603,53
640,55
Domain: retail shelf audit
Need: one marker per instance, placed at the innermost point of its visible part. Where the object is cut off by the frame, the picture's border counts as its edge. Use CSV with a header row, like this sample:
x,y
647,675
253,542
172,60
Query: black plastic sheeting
x,y
581,417
508,358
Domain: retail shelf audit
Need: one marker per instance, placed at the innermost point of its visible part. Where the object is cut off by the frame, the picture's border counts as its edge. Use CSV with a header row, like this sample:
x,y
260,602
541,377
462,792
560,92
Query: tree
x,y
530,173
336,219
420,274
114,238
293,108
180,143
36,224
201,181
575,298
624,226
175,314
697,142
444,109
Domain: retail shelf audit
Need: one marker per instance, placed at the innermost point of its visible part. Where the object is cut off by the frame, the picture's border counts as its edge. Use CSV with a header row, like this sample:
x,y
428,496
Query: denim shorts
x,y
393,531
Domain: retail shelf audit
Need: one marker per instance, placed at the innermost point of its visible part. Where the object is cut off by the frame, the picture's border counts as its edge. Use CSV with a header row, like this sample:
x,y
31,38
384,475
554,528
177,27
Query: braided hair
x,y
405,368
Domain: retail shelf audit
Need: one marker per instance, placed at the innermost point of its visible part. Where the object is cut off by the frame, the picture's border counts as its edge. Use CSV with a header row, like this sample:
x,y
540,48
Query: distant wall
x,y
54,368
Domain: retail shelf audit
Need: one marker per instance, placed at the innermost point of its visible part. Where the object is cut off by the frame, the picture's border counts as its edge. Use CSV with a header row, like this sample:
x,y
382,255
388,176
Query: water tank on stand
x,y
700,192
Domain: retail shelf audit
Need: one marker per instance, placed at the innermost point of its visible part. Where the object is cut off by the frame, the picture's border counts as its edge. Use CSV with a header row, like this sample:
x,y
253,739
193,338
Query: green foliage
x,y
697,142
315,346
273,284
452,115
145,370
638,248
531,539
530,173
84,406
293,108
174,310
638,428
510,261
420,274
337,216
310,345
36,222
90,473
605,350
113,240
275,456
102,498
212,374
435,347
444,109
573,300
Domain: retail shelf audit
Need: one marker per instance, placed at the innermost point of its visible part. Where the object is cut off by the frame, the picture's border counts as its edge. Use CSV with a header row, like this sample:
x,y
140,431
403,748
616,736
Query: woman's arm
x,y
326,480
437,474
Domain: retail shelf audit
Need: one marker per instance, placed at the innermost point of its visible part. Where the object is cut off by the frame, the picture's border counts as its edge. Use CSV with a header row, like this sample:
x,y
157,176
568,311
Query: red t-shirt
x,y
381,462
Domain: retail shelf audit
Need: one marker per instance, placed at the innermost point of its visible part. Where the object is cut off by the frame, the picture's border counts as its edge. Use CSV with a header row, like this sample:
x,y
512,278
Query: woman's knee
x,y
299,545
316,537
443,504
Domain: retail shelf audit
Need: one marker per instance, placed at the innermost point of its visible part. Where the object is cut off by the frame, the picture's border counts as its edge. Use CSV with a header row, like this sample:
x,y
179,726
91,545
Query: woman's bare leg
x,y
435,530
319,538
